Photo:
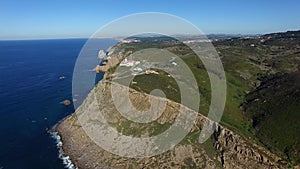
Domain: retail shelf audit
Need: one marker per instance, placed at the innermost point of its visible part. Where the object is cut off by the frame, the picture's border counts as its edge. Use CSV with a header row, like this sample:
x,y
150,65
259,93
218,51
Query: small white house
x,y
174,63
127,63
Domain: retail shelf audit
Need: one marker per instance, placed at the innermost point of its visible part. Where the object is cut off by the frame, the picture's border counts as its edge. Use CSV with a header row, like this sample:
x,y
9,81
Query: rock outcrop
x,y
66,102
234,151
118,56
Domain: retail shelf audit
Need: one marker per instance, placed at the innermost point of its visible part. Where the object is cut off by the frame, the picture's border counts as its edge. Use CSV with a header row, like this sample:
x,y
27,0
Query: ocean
x,y
30,94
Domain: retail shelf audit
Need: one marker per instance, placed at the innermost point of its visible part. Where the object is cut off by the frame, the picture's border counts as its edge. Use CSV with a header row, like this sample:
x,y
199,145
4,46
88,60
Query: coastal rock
x,y
101,54
61,77
112,62
66,102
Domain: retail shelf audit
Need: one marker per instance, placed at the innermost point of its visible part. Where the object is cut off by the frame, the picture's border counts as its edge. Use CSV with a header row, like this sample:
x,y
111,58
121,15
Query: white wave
x,y
66,159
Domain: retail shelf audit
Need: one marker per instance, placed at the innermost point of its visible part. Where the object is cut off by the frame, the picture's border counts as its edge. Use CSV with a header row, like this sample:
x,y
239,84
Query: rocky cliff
x,y
234,151
225,150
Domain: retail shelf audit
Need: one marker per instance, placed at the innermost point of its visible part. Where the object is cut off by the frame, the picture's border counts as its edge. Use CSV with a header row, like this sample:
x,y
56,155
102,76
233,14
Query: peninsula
x,y
237,142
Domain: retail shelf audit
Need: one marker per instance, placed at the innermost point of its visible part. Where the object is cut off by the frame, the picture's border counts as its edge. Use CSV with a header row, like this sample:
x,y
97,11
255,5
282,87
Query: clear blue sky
x,y
33,19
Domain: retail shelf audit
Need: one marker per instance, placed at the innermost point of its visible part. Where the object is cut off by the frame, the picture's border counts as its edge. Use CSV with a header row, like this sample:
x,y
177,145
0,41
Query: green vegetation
x,y
271,98
263,87
274,110
147,83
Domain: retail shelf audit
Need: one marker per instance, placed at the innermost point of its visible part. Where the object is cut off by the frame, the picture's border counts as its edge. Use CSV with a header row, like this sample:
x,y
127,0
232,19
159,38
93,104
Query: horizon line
x,y
118,37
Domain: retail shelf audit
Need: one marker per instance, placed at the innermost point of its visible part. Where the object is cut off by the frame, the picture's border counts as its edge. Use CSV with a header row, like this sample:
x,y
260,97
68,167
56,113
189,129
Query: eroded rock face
x,y
118,56
87,154
112,62
236,152
229,149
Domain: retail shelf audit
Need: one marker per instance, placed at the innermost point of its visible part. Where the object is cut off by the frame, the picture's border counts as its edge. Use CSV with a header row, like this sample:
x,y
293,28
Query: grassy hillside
x,y
270,65
263,83
274,109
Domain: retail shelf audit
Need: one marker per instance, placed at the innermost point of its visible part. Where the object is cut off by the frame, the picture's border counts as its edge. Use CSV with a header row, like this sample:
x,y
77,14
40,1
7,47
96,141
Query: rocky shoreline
x,y
61,154
56,133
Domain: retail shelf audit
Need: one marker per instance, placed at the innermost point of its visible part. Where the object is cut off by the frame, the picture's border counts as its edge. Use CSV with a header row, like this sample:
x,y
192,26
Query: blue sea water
x,y
30,96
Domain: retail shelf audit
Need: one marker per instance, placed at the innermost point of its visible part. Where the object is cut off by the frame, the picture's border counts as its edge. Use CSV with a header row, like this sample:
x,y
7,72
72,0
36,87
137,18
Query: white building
x,y
127,63
174,63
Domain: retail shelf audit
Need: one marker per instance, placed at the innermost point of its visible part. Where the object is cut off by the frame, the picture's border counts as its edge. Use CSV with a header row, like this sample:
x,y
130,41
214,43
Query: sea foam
x,y
66,159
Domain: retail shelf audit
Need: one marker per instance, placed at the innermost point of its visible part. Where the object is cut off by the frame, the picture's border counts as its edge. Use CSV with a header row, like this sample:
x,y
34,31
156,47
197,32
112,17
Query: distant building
x,y
127,63
148,71
138,69
130,40
174,63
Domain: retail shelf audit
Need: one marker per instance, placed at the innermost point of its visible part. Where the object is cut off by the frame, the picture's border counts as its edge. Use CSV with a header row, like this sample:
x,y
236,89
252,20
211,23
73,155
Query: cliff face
x,y
85,153
233,151
225,150
112,62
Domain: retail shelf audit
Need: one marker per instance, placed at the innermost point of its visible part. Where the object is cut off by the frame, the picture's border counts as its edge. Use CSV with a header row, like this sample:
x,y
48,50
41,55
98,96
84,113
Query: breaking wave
x,y
66,159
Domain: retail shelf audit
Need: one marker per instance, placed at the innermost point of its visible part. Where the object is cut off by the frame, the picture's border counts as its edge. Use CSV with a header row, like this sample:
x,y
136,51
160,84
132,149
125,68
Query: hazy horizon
x,y
66,19
118,37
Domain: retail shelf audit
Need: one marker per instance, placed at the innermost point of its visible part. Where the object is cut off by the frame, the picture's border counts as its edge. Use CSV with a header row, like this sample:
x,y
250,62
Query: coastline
x,y
55,132
58,139
82,152
61,154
